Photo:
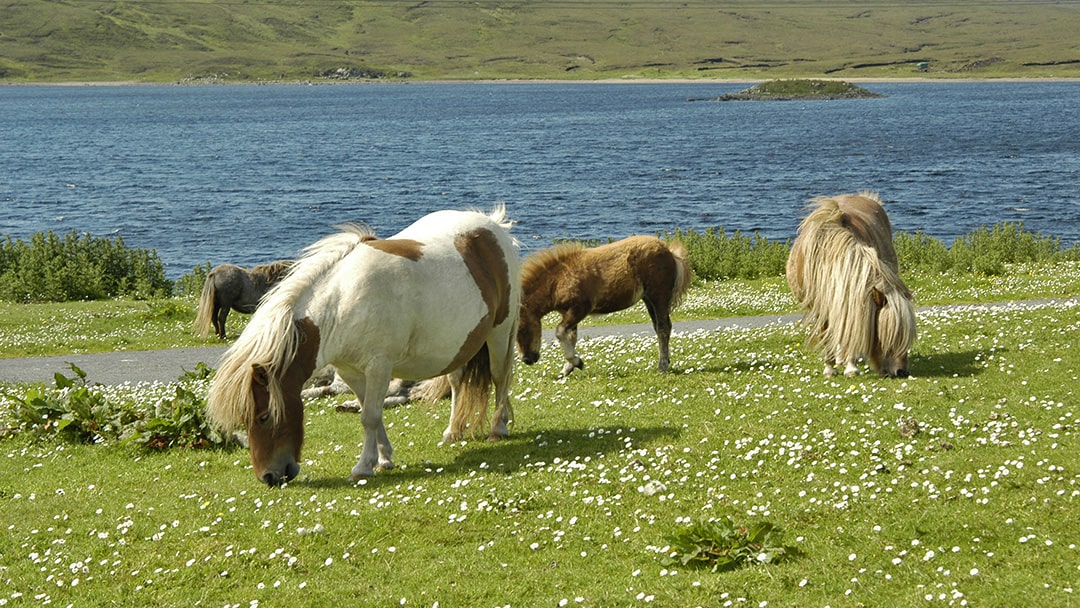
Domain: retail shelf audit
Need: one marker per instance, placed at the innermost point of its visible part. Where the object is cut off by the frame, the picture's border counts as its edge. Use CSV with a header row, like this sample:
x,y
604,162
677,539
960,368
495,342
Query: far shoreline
x,y
517,81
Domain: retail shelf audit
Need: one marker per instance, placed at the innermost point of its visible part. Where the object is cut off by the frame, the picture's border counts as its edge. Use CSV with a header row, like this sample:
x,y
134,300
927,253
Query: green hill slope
x,y
256,40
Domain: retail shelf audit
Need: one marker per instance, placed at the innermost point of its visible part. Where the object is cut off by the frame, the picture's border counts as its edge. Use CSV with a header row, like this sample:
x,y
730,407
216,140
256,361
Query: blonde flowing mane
x,y
843,269
271,337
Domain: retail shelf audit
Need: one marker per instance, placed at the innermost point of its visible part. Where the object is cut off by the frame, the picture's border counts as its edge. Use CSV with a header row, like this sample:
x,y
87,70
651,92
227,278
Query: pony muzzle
x,y
530,357
274,478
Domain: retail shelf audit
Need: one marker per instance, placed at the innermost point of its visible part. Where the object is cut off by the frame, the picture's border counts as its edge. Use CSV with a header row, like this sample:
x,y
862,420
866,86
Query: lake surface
x,y
249,174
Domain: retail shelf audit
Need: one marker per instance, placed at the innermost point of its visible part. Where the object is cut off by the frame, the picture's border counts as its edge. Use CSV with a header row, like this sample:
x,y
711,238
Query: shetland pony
x,y
232,287
440,297
578,281
844,273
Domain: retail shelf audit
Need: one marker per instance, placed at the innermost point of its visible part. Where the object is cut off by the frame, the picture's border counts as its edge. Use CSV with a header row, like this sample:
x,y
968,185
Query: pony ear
x,y
259,375
878,296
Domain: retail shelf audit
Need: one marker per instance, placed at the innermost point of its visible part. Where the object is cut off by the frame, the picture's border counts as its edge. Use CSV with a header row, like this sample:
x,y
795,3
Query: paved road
x,y
167,365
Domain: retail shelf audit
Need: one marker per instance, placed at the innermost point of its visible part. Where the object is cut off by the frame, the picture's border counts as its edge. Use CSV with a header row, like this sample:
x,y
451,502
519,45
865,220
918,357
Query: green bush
x,y
50,268
717,256
190,285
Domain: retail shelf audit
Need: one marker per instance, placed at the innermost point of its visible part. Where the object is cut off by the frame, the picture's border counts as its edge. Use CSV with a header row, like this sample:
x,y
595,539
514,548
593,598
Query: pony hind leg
x,y
221,313
502,374
661,323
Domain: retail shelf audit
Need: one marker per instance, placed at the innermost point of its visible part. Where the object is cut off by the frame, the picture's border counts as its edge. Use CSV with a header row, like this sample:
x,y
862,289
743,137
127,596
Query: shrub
x,y
77,266
190,285
716,256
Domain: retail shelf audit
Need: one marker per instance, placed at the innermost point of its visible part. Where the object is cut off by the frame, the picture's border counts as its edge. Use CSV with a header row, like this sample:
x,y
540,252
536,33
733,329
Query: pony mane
x,y
270,340
837,285
273,271
539,263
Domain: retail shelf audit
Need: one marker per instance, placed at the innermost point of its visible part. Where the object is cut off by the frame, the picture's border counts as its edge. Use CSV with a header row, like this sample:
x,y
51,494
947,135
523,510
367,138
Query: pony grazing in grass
x,y
579,281
843,271
440,297
230,287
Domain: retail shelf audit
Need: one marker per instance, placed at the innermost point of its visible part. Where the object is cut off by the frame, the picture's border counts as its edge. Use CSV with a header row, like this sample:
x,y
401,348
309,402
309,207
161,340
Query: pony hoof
x,y
360,472
496,437
385,466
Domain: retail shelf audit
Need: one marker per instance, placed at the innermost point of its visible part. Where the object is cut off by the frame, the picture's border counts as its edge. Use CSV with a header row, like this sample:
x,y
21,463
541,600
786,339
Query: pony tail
x,y
683,273
498,215
470,408
205,312
434,389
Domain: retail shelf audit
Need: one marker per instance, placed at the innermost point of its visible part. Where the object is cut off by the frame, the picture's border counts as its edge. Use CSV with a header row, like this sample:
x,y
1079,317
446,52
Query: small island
x,y
800,90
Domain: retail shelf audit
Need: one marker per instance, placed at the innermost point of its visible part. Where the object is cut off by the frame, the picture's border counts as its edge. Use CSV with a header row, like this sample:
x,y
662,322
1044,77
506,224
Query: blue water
x,y
248,174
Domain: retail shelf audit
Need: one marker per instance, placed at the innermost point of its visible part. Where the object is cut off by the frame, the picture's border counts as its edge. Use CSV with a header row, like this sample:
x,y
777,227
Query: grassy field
x,y
954,487
50,329
207,41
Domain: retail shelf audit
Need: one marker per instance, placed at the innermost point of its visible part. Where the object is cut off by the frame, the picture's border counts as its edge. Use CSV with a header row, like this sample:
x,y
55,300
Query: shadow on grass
x,y
537,448
949,364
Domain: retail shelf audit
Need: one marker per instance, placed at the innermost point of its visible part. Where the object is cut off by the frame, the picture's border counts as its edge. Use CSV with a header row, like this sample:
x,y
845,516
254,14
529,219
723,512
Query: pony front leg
x,y
567,335
377,453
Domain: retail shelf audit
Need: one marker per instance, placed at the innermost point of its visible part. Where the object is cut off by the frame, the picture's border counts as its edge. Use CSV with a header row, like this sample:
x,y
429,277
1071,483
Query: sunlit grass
x,y
953,487
86,327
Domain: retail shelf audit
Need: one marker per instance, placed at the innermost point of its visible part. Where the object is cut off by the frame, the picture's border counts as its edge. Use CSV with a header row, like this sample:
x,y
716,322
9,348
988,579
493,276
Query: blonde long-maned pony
x,y
439,298
230,287
843,271
578,281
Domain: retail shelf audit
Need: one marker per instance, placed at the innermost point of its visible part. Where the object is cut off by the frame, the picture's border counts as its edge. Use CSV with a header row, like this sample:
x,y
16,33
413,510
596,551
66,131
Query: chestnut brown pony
x,y
440,297
578,281
231,287
844,273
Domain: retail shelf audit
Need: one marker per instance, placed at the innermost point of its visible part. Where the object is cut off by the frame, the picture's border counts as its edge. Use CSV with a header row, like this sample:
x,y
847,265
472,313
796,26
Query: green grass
x,y
956,486
38,330
205,41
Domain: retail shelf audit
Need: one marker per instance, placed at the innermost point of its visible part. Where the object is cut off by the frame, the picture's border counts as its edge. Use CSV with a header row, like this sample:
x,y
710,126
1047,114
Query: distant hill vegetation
x,y
299,40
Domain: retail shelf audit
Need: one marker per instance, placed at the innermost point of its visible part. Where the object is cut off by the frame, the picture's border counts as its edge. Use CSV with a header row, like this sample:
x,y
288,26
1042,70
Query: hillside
x,y
258,40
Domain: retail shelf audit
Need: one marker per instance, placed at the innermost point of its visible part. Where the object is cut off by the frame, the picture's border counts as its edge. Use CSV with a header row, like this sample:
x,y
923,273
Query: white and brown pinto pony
x,y
578,281
440,297
844,273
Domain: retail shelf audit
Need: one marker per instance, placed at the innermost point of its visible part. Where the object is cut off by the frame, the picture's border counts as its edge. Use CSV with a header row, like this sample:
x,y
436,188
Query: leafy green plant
x,y
72,411
78,411
721,545
180,421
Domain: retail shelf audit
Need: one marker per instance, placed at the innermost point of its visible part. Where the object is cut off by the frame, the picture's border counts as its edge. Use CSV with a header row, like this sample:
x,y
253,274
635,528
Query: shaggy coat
x,y
843,271
578,281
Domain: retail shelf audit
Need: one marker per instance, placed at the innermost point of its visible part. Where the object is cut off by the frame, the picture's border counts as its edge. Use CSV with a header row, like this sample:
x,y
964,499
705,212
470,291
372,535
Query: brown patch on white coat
x,y
356,318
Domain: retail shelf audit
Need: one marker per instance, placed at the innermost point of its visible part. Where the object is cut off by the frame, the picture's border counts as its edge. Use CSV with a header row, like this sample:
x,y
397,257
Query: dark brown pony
x,y
230,287
578,281
844,272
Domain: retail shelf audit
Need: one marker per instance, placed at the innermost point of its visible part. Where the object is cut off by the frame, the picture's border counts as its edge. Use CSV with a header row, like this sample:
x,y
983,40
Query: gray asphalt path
x,y
134,367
